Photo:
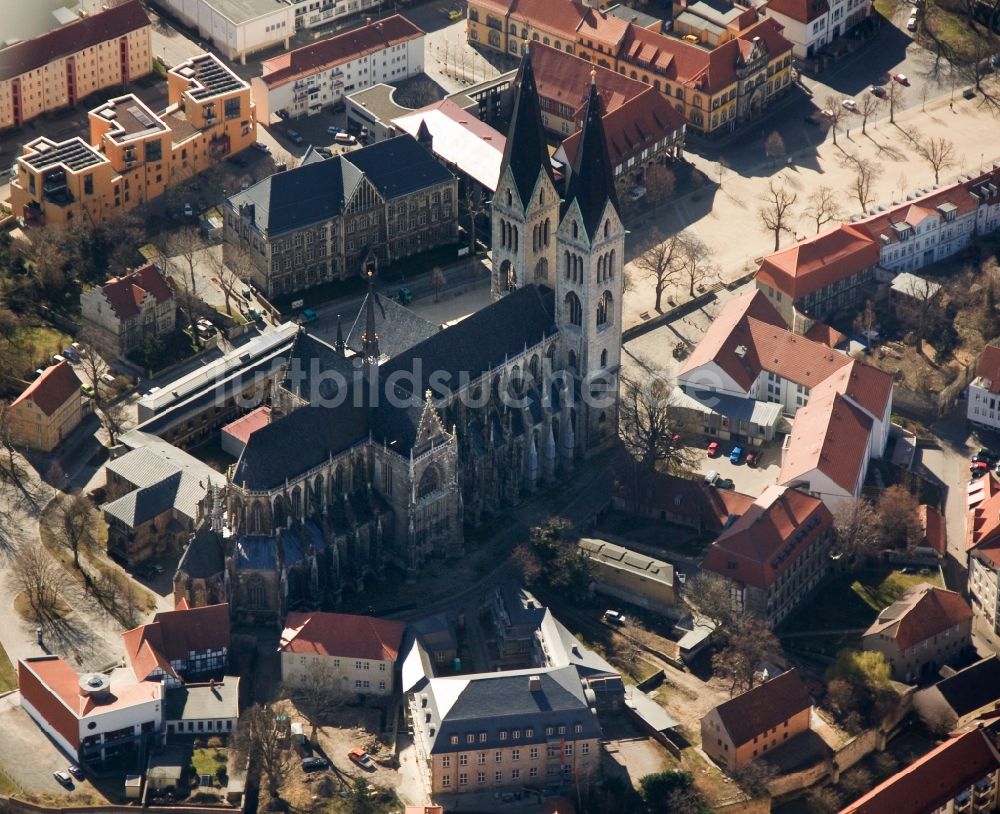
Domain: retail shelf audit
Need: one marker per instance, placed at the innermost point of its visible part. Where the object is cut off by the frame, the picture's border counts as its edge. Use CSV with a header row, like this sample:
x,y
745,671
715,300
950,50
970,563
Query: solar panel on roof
x,y
140,117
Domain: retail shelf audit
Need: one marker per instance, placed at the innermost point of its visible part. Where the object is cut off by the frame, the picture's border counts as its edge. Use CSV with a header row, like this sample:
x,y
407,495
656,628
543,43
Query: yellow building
x,y
48,410
59,68
718,78
134,154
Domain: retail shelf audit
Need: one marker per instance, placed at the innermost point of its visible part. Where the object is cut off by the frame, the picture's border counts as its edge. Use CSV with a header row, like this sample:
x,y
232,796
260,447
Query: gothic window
x,y
279,513
571,360
600,269
510,198
545,232
256,592
604,309
533,366
604,358
514,230
430,482
534,238
576,230
316,495
256,523
569,264
541,192
338,478
574,308
607,227
509,275
542,269
611,265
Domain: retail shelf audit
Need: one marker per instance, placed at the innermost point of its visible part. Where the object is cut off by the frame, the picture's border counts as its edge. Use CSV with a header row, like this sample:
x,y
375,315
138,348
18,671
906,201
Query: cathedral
x,y
382,446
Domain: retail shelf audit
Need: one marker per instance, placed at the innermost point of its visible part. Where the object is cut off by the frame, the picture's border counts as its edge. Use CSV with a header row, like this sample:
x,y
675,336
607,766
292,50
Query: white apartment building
x,y
312,13
304,81
811,24
983,404
237,27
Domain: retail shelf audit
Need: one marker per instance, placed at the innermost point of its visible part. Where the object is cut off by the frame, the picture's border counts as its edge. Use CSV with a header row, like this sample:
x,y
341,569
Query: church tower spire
x,y
591,181
589,286
369,339
525,207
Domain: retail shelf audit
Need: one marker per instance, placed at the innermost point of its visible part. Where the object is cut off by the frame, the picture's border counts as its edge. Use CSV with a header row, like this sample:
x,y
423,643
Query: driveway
x,y
23,739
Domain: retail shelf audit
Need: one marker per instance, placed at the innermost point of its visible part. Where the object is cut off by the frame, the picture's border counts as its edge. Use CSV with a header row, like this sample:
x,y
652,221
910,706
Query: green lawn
x,y
205,761
853,600
8,675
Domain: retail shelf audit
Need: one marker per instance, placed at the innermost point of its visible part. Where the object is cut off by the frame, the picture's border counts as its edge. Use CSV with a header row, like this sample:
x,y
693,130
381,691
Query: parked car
x,y
188,211
969,93
308,315
711,476
361,758
79,348
75,770
107,378
261,146
911,24
877,90
979,466
736,455
637,193
902,78
404,296
295,137
333,131
314,764
849,104
345,138
71,354
455,14
723,483
58,358
63,779
751,460
88,390
614,617
713,449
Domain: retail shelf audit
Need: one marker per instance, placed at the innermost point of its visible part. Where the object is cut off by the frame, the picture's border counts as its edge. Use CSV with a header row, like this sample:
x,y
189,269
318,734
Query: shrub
x,y
215,742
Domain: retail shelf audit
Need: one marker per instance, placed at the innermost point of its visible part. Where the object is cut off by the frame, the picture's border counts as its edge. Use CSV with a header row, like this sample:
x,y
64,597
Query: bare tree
x,y
751,644
182,248
835,113
710,595
776,213
74,525
939,153
660,182
855,524
894,98
774,145
648,420
37,577
823,207
722,166
870,105
318,692
113,413
660,263
224,275
259,735
866,172
898,518
694,260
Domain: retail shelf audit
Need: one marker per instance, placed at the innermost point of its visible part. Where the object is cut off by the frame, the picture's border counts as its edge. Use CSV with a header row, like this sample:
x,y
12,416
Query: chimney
x,y
535,683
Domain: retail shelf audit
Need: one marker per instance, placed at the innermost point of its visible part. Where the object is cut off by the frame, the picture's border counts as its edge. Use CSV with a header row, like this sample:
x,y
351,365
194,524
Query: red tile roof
x,y
126,293
242,428
342,634
867,386
922,612
634,126
829,435
37,679
777,529
174,635
325,54
50,391
803,11
983,521
729,331
934,779
766,706
819,261
989,367
934,529
825,335
68,39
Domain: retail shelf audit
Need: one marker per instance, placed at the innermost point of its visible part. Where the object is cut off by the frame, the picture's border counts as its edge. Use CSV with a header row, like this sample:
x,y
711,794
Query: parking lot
x,y
746,479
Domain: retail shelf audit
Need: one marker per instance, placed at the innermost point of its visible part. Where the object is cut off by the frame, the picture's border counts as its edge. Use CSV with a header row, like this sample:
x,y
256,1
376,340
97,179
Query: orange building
x,y
48,410
59,68
134,154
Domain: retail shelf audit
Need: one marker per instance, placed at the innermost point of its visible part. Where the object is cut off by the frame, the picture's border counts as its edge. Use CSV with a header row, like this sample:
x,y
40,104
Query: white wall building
x,y
811,24
311,13
983,404
237,28
304,81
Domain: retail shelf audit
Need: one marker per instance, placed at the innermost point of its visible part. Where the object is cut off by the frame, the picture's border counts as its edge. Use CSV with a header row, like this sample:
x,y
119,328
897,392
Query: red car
x,y
713,449
751,459
901,78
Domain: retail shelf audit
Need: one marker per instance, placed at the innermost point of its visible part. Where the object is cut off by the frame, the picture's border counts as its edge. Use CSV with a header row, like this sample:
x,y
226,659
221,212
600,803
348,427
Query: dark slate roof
x,y
978,685
508,694
526,152
142,505
310,357
256,553
203,558
270,456
481,341
397,327
399,166
301,196
591,181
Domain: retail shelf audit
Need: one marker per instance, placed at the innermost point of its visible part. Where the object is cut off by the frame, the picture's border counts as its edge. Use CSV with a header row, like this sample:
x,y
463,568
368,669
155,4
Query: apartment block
x,y
134,154
61,67
303,81
718,73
